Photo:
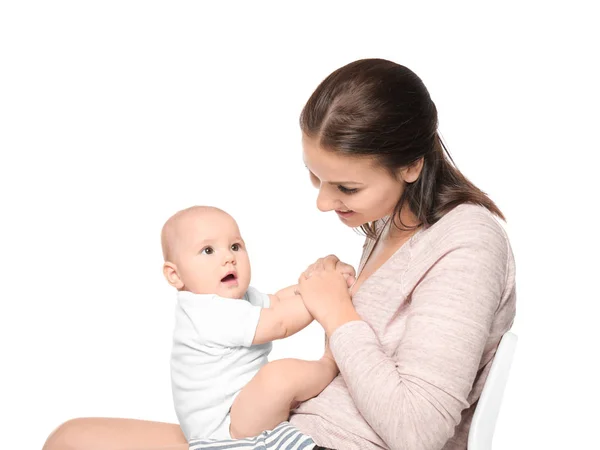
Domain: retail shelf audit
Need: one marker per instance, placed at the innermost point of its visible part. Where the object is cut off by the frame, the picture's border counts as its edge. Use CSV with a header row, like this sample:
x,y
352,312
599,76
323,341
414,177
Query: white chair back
x,y
482,427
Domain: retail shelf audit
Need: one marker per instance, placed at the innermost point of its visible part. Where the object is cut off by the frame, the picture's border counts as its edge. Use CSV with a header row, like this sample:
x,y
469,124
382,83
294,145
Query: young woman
x,y
434,292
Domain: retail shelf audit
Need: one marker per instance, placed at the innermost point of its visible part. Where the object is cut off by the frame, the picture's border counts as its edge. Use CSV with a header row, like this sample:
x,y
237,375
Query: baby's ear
x,y
170,273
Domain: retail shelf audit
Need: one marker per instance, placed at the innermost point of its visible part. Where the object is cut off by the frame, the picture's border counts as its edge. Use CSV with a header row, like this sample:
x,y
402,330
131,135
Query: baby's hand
x,y
349,279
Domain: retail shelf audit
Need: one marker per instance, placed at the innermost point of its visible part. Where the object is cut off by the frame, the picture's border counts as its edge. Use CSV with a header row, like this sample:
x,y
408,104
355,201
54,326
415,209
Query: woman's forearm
x,y
399,410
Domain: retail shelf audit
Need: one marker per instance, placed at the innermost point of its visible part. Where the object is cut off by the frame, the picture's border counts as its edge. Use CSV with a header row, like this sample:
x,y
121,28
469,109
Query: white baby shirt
x,y
213,358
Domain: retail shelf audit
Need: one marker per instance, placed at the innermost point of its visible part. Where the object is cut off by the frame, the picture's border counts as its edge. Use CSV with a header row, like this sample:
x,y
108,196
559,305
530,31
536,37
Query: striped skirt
x,y
284,436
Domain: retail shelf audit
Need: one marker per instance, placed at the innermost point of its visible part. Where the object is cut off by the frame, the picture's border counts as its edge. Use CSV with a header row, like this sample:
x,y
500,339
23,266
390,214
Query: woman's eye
x,y
207,250
235,247
345,190
316,183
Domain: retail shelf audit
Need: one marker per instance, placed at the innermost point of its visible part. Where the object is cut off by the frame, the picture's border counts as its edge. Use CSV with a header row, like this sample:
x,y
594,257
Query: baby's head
x,y
204,253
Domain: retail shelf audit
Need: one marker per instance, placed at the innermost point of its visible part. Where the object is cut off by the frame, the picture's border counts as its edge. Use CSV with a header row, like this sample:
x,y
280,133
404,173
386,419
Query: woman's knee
x,y
68,435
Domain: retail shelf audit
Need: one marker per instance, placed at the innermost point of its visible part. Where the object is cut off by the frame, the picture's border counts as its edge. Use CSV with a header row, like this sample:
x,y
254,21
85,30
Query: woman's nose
x,y
325,202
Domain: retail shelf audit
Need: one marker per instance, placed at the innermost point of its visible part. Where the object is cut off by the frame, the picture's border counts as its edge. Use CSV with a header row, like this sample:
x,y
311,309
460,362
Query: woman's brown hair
x,y
380,109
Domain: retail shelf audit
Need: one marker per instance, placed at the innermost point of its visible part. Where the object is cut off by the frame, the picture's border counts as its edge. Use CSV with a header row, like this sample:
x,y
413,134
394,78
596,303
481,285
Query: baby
x,y
223,385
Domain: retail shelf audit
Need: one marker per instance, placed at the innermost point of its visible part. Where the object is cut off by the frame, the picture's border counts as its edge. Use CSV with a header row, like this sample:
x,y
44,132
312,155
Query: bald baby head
x,y
204,252
182,223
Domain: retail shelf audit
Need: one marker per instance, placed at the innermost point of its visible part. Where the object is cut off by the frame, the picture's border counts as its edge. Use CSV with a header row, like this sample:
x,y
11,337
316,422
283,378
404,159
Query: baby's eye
x,y
236,247
207,250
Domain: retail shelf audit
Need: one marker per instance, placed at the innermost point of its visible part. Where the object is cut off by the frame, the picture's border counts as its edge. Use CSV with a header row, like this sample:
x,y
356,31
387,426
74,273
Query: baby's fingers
x,y
349,279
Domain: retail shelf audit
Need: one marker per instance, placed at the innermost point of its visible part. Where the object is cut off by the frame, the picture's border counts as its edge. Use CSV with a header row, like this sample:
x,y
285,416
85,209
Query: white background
x,y
116,114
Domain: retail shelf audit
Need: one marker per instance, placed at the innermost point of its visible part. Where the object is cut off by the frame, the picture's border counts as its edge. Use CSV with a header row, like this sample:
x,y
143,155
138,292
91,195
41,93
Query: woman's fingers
x,y
330,261
314,266
344,268
308,271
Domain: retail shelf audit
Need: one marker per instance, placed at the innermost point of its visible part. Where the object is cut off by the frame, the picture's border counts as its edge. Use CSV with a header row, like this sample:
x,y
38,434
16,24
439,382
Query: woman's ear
x,y
172,276
411,173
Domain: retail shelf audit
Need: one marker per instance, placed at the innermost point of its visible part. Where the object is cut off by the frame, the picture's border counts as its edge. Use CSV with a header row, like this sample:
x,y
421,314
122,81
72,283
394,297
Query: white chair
x,y
482,427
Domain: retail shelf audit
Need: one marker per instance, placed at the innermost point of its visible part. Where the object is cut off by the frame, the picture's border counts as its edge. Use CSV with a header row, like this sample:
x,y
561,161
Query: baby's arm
x,y
286,292
277,388
285,316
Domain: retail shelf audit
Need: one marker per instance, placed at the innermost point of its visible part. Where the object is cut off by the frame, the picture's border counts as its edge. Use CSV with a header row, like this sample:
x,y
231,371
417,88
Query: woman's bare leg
x,y
97,433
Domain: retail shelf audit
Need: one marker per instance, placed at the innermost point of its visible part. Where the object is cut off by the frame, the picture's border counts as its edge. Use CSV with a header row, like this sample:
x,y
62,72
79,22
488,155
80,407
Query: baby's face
x,y
211,256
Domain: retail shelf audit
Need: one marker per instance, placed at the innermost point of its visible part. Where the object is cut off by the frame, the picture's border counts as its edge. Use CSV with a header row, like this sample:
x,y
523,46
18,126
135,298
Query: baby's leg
x,y
277,388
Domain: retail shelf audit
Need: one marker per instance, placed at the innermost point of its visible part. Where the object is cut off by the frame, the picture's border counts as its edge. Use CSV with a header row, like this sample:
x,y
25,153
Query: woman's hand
x,y
325,294
345,269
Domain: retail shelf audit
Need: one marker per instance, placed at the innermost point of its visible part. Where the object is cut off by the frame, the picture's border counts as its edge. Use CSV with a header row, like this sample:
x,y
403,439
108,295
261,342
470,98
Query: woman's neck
x,y
410,224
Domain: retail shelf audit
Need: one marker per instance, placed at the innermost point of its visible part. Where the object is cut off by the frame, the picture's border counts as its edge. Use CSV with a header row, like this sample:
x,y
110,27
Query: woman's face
x,y
350,184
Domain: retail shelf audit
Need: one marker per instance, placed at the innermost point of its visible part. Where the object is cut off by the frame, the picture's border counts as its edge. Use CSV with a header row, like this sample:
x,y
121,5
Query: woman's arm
x,y
414,399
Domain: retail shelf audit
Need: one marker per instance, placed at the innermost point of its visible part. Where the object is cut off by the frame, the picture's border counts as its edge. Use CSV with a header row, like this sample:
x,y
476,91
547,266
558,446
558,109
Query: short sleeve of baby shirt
x,y
257,298
221,321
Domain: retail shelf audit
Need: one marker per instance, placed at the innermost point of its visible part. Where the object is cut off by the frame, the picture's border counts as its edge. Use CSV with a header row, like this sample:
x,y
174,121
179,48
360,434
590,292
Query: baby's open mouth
x,y
229,277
